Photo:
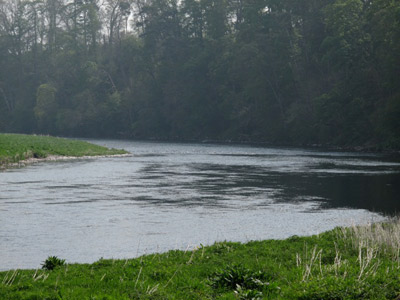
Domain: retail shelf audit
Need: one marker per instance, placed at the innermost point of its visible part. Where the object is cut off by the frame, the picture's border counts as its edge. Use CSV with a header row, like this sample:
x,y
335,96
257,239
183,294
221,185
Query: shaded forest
x,y
298,72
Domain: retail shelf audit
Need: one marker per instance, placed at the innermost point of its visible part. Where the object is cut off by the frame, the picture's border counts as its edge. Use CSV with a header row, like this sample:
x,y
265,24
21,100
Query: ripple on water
x,y
168,196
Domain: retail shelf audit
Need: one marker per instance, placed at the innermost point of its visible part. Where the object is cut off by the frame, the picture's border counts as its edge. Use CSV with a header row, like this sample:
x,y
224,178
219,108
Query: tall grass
x,y
365,264
383,237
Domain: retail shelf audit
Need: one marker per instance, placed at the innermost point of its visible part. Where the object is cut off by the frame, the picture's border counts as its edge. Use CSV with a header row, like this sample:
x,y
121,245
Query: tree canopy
x,y
285,72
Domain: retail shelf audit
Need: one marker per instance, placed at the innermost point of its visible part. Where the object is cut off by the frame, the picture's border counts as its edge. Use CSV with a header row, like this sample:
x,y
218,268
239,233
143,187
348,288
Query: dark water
x,y
168,196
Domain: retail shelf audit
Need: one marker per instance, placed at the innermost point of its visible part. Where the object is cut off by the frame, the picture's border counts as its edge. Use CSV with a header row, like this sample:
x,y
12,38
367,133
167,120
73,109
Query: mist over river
x,y
178,196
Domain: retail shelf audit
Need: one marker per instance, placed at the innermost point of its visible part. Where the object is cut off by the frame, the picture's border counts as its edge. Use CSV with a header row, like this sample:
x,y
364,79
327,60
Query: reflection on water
x,y
169,196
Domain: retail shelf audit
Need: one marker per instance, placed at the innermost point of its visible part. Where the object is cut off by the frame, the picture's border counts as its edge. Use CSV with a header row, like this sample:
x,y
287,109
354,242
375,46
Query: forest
x,y
283,72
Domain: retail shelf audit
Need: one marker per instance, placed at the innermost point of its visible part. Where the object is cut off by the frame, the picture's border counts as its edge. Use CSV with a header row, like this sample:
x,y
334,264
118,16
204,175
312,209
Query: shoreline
x,y
54,158
264,144
344,263
19,150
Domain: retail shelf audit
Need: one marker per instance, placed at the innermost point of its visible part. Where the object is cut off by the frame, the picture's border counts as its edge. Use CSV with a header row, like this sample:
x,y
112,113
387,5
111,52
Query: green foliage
x,y
17,147
242,293
351,263
52,262
236,275
246,284
46,106
292,72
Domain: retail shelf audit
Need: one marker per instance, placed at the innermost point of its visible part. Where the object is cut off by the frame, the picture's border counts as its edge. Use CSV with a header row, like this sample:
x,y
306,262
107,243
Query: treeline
x,y
278,71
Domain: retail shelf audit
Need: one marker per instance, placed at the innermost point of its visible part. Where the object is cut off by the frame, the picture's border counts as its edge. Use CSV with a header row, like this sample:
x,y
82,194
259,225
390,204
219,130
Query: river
x,y
178,196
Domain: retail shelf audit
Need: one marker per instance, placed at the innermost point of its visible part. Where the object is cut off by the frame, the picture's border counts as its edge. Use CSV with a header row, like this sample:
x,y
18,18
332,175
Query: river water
x,y
178,196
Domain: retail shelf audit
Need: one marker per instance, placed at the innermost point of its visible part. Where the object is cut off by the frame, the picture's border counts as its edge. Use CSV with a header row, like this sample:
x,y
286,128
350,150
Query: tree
x,y
46,107
216,17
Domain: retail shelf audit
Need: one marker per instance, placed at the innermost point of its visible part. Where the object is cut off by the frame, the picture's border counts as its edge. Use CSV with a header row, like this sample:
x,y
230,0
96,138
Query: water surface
x,y
167,196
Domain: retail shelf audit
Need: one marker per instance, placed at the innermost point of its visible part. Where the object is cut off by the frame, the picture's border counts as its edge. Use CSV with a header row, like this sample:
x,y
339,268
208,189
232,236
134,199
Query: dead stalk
x,y
137,279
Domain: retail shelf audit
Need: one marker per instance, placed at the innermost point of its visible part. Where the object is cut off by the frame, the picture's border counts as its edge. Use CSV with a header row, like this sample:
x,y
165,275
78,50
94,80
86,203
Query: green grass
x,y
352,263
17,147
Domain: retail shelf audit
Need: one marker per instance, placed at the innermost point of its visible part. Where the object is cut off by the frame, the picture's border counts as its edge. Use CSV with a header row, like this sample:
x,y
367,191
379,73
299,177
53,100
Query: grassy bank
x,y
18,147
355,263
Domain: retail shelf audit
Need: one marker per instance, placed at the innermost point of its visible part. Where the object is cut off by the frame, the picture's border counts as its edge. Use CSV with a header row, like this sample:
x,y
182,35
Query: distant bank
x,y
19,149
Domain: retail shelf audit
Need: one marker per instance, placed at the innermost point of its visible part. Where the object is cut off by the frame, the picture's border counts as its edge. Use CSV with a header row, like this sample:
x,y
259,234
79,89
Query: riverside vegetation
x,y
17,147
283,72
345,263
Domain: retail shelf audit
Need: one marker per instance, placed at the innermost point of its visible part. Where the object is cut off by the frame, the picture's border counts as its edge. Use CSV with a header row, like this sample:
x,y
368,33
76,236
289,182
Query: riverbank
x,y
20,149
360,148
345,263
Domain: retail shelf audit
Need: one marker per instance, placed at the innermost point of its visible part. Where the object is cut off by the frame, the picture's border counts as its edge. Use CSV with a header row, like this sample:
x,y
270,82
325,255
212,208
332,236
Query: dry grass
x,y
371,245
378,237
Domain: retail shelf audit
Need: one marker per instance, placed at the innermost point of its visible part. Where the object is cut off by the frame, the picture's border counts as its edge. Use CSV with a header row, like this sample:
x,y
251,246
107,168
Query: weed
x,y
243,293
246,284
235,275
52,262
